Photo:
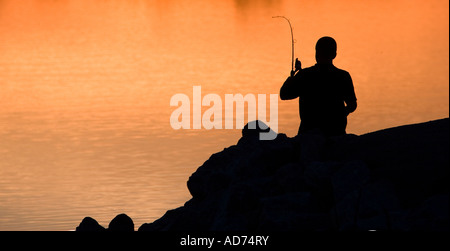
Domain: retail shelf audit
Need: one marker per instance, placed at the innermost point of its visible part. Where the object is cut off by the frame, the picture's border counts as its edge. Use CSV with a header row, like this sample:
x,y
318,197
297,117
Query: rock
x,y
394,179
318,174
312,147
286,212
313,183
256,130
168,220
121,223
368,207
88,224
431,215
214,174
352,176
290,178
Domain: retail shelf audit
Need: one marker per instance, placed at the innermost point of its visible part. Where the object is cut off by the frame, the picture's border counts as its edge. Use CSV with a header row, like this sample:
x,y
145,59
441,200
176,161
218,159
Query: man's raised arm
x,y
289,89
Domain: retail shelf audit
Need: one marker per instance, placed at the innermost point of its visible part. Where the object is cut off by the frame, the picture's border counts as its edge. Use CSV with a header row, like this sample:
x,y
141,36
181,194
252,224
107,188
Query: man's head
x,y
326,48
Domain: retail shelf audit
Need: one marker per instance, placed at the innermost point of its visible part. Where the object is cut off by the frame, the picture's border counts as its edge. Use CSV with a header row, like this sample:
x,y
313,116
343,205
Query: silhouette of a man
x,y
326,93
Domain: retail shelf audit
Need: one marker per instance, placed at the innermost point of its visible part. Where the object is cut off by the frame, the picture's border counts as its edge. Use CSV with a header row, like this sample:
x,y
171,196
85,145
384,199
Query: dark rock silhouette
x,y
121,223
255,129
88,224
394,179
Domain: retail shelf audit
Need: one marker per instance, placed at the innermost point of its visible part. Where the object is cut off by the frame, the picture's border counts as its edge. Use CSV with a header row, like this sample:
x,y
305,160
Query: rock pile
x,y
394,179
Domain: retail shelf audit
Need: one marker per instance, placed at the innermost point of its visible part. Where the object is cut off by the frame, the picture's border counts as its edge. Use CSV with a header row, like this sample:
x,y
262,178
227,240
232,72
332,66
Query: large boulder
x,y
89,224
121,223
377,181
394,179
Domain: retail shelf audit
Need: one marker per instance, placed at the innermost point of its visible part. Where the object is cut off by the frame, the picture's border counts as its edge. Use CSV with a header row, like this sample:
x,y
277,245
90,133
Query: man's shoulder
x,y
316,69
340,71
309,69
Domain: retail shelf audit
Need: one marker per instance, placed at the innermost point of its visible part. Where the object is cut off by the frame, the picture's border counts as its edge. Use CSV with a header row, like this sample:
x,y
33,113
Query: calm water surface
x,y
85,87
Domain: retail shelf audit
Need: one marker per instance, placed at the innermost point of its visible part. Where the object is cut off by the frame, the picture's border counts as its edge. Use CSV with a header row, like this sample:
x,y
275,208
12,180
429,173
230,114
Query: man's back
x,y
326,93
323,90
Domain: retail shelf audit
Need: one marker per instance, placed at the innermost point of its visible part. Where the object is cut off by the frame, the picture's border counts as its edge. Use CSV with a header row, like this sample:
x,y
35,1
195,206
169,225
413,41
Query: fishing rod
x,y
292,38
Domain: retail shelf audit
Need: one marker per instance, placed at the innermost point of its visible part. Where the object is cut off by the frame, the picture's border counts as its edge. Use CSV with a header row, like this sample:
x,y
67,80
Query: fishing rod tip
x,y
280,17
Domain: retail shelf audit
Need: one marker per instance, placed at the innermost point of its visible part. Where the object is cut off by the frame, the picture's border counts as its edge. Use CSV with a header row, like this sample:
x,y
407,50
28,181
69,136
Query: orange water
x,y
85,87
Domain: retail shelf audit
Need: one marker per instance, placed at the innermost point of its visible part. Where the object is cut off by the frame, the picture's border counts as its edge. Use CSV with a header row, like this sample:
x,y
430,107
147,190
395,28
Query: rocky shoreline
x,y
394,179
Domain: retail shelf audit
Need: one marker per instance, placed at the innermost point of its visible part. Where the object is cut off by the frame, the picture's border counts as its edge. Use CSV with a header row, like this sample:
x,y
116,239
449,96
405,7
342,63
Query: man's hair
x,y
326,47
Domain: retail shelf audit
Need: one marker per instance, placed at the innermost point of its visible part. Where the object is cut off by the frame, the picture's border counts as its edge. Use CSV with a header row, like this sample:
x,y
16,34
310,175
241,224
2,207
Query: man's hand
x,y
298,67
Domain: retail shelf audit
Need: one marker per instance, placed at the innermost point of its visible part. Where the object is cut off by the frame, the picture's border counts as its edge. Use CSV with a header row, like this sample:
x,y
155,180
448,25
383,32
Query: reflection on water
x,y
85,89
